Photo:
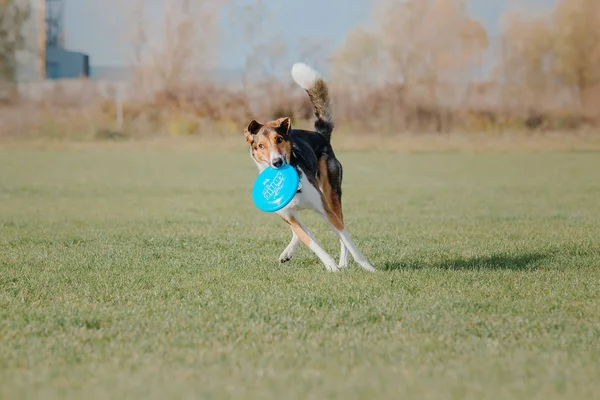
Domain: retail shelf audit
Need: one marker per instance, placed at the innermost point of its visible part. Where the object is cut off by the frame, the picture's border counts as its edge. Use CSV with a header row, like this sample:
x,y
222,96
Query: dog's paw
x,y
331,265
343,261
285,256
366,266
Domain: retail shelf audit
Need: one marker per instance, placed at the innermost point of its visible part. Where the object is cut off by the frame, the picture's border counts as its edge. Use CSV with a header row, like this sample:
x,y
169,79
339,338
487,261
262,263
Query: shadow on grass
x,y
518,262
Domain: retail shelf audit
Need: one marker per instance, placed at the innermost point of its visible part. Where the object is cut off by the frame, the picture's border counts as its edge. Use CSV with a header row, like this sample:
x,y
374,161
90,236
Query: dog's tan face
x,y
270,142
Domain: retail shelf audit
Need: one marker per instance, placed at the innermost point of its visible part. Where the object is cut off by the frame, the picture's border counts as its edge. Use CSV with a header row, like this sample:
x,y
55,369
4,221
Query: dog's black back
x,y
311,148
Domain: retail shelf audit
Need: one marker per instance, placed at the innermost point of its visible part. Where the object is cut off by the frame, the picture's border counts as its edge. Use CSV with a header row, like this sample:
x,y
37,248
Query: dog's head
x,y
270,142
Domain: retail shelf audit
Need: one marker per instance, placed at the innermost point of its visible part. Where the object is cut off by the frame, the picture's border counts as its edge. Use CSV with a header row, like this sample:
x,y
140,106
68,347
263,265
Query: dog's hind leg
x,y
343,255
338,226
353,248
330,173
307,238
287,254
336,207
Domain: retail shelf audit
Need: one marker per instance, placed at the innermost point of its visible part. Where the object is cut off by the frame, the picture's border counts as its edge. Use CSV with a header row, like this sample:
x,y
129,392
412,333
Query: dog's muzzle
x,y
277,162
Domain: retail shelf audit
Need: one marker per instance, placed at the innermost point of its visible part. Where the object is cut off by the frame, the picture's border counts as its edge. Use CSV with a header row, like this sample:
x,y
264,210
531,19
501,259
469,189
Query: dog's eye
x,y
279,140
261,146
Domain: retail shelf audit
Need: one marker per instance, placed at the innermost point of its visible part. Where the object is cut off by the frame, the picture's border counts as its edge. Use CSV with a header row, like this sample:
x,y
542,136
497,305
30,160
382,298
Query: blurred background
x,y
113,69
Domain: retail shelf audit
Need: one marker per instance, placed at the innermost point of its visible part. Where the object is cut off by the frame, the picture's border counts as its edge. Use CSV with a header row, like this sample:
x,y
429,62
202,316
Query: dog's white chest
x,y
308,198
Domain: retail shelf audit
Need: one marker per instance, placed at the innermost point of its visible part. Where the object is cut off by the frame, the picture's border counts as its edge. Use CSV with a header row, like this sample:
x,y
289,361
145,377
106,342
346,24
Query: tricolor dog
x,y
275,143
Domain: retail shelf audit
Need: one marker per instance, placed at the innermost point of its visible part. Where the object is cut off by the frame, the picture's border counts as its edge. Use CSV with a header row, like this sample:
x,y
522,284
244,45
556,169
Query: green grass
x,y
149,274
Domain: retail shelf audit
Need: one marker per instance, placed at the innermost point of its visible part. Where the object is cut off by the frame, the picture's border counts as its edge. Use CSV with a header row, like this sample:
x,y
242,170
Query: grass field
x,y
131,273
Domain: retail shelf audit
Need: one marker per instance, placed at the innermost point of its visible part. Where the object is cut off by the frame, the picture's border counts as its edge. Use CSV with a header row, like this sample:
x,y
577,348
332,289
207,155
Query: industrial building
x,y
56,61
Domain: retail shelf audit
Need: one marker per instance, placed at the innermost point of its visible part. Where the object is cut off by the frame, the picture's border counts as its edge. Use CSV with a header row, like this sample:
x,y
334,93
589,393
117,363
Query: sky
x,y
103,33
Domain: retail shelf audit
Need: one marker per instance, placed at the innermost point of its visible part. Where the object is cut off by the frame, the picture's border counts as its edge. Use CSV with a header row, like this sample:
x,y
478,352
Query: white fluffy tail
x,y
304,75
318,92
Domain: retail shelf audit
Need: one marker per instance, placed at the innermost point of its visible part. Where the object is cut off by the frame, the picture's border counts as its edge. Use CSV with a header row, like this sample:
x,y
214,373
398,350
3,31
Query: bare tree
x,y
184,48
576,58
262,42
415,47
524,64
429,40
545,52
358,60
14,16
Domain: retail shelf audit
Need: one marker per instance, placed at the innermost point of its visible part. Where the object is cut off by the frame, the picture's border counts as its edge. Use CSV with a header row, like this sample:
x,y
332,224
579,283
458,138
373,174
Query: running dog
x,y
276,143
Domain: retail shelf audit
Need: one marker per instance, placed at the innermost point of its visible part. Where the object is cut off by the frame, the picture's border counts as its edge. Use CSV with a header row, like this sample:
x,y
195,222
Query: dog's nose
x,y
278,162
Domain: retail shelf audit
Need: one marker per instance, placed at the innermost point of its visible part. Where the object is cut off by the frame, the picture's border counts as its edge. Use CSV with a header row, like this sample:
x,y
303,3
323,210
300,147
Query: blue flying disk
x,y
274,188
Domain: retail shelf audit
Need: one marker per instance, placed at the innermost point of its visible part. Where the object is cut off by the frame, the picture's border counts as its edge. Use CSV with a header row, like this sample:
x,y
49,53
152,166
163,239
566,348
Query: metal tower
x,y
54,22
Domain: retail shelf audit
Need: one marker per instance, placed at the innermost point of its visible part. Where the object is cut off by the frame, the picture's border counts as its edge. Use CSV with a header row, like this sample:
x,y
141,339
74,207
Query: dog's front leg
x,y
305,237
287,254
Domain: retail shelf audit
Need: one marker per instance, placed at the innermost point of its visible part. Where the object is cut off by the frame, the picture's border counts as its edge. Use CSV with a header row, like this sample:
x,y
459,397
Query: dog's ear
x,y
251,130
284,126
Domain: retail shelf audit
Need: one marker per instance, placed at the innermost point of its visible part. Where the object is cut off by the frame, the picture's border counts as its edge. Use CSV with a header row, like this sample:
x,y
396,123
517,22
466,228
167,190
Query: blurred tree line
x,y
415,65
544,61
14,15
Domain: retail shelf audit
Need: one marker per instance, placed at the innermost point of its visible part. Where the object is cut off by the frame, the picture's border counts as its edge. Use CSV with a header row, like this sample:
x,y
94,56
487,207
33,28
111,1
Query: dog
x,y
275,143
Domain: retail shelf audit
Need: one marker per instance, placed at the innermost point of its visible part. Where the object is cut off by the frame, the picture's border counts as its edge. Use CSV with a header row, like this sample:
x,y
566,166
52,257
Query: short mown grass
x,y
130,273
